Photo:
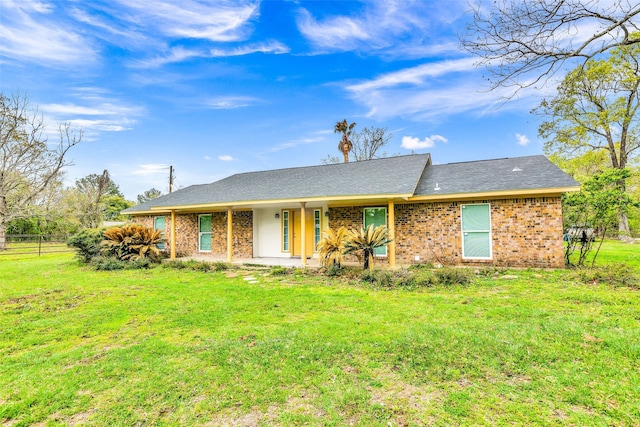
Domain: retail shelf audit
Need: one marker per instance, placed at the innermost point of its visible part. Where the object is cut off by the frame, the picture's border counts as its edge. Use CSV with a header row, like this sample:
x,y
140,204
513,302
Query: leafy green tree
x,y
594,115
149,195
29,163
597,205
113,205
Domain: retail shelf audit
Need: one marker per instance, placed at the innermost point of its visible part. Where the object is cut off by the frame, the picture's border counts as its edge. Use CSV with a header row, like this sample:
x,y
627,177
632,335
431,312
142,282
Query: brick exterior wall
x,y
187,233
526,232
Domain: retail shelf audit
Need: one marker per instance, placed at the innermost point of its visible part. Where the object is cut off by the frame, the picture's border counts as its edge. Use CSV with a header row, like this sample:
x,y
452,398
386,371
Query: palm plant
x,y
364,241
345,144
331,247
132,242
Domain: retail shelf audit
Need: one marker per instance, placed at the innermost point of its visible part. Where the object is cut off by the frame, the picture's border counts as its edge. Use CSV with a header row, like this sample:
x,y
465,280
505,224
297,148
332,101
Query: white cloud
x,y
225,158
231,102
435,90
393,27
340,33
522,139
94,113
274,47
413,143
295,143
207,158
221,21
177,54
29,33
151,169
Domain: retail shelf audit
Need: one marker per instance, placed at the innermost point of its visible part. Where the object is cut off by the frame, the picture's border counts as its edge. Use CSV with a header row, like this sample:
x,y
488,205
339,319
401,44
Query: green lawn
x,y
175,347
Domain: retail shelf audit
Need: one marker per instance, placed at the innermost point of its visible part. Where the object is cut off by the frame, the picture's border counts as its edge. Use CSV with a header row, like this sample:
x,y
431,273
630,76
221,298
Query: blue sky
x,y
216,88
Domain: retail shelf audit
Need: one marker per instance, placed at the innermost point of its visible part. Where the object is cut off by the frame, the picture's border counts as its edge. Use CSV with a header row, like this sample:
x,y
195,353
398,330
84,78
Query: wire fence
x,y
31,244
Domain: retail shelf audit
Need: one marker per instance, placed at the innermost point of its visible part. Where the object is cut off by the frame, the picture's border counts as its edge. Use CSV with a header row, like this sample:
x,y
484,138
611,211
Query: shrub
x,y
194,265
384,279
333,270
87,243
279,270
364,242
107,263
331,247
614,275
131,242
453,276
220,266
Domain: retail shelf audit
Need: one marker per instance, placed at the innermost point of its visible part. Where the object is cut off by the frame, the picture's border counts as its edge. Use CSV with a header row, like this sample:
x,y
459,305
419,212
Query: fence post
x,y
39,245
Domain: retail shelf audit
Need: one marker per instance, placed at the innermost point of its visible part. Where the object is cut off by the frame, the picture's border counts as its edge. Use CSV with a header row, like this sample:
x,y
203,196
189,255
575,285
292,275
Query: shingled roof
x,y
400,177
486,176
392,176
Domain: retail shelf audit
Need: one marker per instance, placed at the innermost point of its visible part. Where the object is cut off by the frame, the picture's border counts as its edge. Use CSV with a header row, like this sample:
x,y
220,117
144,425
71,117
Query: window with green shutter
x,y
158,224
476,231
376,217
204,233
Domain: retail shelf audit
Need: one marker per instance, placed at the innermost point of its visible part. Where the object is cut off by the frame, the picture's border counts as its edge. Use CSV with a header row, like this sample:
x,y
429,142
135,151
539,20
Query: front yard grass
x,y
169,347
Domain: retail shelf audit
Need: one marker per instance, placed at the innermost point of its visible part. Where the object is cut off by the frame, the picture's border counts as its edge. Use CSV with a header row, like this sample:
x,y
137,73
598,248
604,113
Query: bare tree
x,y
525,42
366,145
29,163
87,199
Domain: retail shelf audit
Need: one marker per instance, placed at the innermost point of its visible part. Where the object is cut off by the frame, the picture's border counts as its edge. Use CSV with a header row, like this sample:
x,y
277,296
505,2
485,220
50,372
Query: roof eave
x,y
538,192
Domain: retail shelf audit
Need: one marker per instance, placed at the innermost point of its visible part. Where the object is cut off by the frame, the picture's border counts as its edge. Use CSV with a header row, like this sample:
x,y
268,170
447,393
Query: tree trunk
x,y
3,240
624,233
345,153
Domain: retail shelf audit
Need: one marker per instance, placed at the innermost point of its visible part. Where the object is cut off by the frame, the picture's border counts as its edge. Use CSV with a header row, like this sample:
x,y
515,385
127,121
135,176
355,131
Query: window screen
x,y
158,224
476,231
205,233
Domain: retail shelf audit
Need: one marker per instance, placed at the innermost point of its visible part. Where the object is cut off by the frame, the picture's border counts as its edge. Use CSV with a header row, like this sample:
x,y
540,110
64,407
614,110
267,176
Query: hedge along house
x,y
503,212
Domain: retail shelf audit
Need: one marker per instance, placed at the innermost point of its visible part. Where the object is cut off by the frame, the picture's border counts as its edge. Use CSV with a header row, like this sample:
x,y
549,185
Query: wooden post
x,y
392,234
229,234
303,234
173,239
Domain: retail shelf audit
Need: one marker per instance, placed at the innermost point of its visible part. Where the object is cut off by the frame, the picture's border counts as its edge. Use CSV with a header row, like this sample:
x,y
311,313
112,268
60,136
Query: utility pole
x,y
170,179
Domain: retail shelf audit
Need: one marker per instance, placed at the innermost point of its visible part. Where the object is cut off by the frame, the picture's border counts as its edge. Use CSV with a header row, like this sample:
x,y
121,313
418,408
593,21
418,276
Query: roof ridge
x,y
326,165
491,160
